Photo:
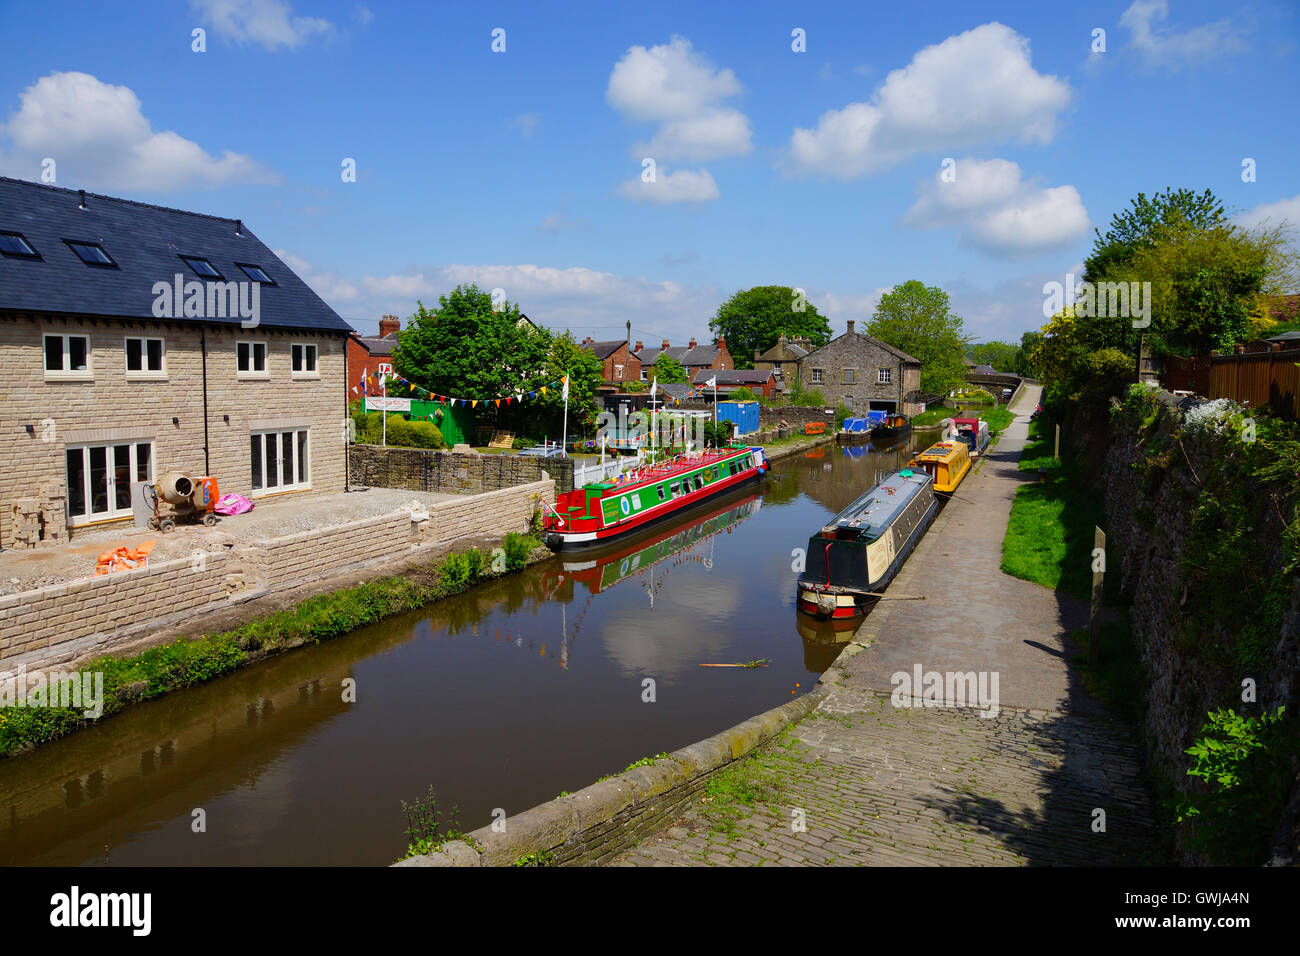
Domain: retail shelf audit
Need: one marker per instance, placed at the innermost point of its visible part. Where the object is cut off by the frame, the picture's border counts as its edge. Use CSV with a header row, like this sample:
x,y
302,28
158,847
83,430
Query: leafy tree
x,y
669,371
1135,228
917,319
1024,364
466,349
755,318
1003,356
799,395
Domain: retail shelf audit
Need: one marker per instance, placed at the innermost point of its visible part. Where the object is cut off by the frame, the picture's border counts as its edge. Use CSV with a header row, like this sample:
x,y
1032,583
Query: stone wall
x,y
66,623
795,415
1149,518
423,469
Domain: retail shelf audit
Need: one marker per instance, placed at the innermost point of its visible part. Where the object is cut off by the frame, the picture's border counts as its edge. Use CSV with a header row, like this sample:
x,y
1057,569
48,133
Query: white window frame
x,y
314,372
280,487
816,376
618,372
144,373
65,373
112,514
884,376
266,358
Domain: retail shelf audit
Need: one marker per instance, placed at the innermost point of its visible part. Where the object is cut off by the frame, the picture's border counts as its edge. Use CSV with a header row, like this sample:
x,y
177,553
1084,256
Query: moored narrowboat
x,y
856,555
606,509
892,428
946,462
974,432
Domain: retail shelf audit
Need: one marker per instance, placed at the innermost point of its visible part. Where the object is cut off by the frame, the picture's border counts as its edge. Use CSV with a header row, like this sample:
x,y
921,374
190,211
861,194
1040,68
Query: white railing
x,y
586,474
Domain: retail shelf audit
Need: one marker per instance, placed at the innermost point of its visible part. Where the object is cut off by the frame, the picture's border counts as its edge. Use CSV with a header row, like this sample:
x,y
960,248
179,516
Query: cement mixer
x,y
176,497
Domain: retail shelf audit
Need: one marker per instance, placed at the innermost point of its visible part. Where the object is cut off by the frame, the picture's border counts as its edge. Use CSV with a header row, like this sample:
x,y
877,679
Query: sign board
x,y
387,404
385,368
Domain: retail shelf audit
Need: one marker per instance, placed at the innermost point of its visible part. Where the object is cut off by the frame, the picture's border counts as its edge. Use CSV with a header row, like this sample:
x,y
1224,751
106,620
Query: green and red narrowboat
x,y
607,509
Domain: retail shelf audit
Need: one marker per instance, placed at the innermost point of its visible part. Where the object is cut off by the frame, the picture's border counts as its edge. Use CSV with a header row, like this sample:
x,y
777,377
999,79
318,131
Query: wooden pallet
x,y
501,438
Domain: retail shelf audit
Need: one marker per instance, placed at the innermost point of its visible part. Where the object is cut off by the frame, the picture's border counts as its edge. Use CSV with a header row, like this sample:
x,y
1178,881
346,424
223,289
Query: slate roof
x,y
897,353
732,376
700,355
378,344
146,242
604,350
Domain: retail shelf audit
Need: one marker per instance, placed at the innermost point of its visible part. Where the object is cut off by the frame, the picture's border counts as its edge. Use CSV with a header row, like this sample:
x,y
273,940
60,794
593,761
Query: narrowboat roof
x,y
876,509
940,451
672,468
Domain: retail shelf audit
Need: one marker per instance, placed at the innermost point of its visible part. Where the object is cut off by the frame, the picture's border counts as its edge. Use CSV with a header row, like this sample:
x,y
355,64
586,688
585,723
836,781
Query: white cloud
x,y
269,23
675,86
682,185
586,300
1272,214
526,123
978,86
98,137
561,222
1172,49
997,212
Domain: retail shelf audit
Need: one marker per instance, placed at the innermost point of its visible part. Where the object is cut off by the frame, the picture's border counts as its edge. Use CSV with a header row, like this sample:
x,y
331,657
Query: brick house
x,y
372,354
127,352
756,380
693,357
863,373
783,360
618,365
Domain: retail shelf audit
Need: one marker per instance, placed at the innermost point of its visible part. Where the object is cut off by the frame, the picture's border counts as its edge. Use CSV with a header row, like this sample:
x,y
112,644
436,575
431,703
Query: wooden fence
x,y
1257,374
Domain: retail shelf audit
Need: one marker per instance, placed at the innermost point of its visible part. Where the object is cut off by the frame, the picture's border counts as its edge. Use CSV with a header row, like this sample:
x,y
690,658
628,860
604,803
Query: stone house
x,y
863,373
783,360
137,340
693,357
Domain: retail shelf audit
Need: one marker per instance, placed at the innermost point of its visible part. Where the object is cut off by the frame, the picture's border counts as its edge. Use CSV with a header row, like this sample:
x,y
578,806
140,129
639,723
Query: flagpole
x,y
383,412
564,441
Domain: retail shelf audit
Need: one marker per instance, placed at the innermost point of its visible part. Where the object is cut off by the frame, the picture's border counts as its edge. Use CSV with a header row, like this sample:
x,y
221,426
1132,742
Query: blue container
x,y
744,414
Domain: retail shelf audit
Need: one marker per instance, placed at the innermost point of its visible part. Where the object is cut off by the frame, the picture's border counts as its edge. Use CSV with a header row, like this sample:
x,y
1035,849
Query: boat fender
x,y
826,603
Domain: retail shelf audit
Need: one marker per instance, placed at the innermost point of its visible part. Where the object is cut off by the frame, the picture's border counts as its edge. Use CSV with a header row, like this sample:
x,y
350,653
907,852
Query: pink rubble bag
x,y
233,505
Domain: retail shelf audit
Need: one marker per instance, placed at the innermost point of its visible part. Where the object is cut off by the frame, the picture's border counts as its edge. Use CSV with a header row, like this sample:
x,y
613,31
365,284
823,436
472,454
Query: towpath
x,y
861,781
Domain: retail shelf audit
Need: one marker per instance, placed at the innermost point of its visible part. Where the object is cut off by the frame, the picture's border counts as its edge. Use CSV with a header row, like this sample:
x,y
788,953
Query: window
x,y
256,273
675,488
663,495
817,376
618,371
884,376
100,477
280,460
12,244
850,376
251,358
304,360
776,369
144,357
92,254
848,402
202,267
644,377
67,356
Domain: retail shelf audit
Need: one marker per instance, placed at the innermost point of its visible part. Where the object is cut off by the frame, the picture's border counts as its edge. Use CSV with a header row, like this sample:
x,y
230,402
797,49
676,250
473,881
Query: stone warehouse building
x,y
864,373
783,360
112,375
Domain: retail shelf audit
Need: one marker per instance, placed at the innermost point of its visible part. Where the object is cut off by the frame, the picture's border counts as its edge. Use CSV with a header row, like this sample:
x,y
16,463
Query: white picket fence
x,y
615,466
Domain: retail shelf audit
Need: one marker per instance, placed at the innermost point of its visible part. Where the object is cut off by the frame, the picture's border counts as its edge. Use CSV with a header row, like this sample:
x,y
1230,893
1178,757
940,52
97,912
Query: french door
x,y
280,460
100,476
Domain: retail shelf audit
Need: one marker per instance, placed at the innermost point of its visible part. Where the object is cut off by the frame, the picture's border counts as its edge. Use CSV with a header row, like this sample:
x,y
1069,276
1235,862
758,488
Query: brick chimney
x,y
665,345
389,324
692,345
850,326
722,343
639,346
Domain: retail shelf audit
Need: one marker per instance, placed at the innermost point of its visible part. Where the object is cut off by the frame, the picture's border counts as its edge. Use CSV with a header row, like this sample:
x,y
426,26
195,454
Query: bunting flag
x,y
373,383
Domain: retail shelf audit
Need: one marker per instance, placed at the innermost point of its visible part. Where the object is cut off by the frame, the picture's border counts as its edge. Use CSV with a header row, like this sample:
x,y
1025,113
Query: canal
x,y
501,698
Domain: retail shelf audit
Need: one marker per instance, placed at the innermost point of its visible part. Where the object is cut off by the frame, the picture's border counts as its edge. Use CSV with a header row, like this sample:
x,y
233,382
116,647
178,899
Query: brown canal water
x,y
500,698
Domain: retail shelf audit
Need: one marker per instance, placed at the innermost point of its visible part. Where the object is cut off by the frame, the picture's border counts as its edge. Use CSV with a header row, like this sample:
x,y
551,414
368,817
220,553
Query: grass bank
x,y
186,662
1049,535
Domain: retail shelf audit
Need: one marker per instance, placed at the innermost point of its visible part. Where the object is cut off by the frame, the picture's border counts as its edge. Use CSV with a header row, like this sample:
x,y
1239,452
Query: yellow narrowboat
x,y
947,462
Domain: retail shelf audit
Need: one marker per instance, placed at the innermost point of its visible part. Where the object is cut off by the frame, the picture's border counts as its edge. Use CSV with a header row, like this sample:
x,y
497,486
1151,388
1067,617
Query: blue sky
x,y
822,169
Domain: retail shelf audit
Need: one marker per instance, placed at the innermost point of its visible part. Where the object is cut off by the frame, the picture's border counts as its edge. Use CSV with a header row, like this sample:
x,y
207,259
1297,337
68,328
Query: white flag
x,y
654,386
565,393
712,383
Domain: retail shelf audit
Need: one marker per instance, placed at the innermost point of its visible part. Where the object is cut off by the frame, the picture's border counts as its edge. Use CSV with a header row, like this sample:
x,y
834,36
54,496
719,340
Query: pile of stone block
x,y
54,514
25,514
